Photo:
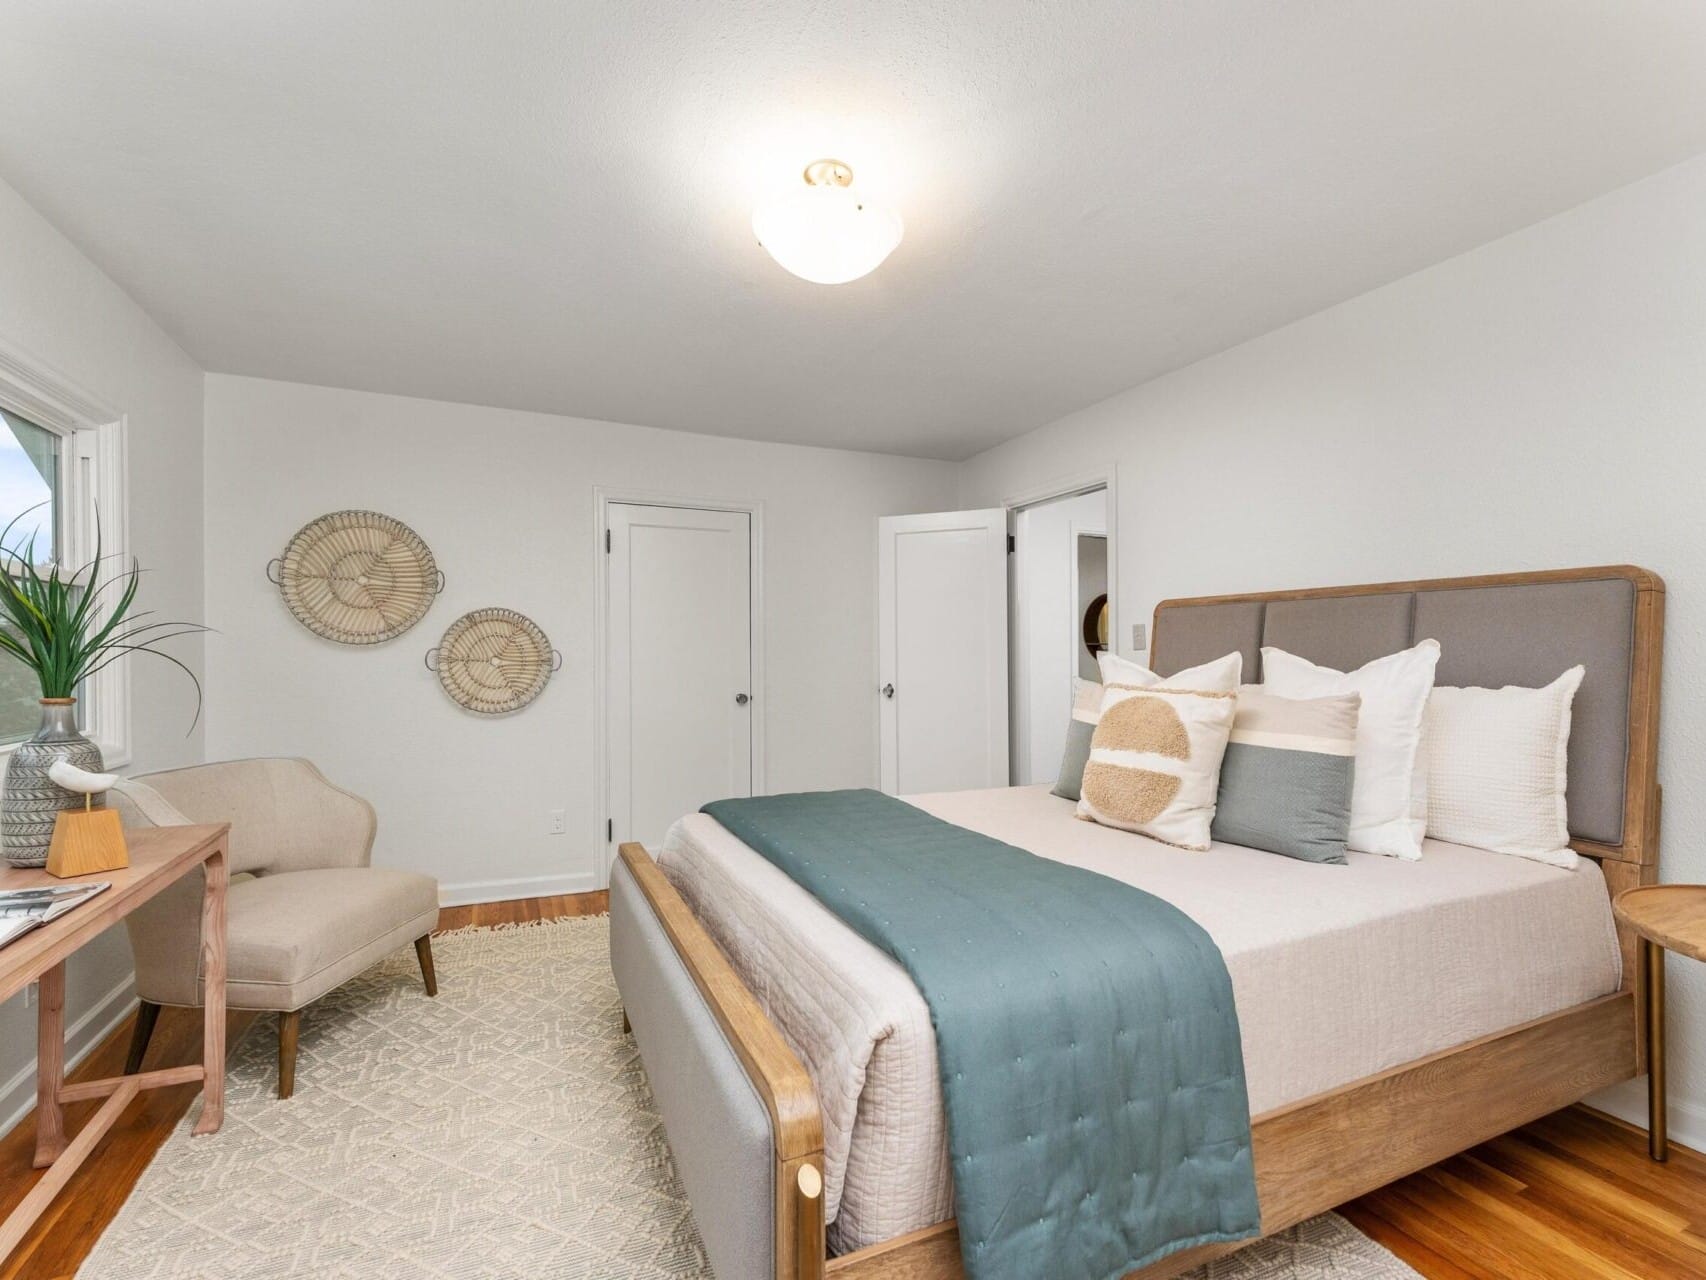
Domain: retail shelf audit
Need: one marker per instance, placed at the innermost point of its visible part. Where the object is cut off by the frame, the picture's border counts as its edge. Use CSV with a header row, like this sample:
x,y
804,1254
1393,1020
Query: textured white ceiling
x,y
545,204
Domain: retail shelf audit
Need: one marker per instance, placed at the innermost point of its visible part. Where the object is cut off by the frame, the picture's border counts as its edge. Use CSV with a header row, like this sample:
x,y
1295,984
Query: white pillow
x,y
1389,796
1499,760
1154,764
1223,675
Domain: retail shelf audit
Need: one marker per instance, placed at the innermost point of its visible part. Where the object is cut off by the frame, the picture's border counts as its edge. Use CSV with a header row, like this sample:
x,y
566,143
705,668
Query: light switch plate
x,y
1139,636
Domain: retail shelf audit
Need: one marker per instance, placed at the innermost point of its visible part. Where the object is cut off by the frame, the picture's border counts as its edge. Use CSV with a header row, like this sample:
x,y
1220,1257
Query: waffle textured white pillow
x,y
1389,797
1223,675
1498,765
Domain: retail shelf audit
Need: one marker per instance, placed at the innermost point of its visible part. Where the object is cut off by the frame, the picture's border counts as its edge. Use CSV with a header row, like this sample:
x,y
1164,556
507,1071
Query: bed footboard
x,y
741,1114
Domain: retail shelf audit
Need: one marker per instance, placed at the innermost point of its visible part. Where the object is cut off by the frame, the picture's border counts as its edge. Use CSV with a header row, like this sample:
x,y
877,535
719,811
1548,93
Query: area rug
x,y
503,1129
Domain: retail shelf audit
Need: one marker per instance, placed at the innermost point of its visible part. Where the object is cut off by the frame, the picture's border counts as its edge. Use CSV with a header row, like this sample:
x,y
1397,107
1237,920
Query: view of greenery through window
x,y
29,477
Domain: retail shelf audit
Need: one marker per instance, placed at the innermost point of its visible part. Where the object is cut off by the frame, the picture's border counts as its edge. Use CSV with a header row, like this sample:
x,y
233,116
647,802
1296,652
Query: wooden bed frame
x,y
1311,1155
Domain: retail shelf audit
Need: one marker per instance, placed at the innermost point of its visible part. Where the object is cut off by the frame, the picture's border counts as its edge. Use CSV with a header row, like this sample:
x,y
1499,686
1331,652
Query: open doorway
x,y
1061,618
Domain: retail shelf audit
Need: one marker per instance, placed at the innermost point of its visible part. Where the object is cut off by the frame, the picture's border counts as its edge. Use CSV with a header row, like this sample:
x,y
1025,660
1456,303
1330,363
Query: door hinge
x,y
609,830
1012,544
607,542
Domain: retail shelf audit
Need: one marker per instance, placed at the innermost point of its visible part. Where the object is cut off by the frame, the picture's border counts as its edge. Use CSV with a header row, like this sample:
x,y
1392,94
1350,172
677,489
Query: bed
x,y
1410,1011
1339,973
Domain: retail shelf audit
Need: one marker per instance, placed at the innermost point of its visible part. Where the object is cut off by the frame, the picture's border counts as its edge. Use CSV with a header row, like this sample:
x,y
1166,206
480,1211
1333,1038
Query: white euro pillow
x,y
1498,768
1389,796
1223,675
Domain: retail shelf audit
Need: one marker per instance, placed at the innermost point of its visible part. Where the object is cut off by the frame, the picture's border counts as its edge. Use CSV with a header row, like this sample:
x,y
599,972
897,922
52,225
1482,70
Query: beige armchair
x,y
305,912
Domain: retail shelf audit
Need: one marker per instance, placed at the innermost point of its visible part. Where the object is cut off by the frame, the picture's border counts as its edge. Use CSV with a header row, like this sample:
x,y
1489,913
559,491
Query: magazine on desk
x,y
24,909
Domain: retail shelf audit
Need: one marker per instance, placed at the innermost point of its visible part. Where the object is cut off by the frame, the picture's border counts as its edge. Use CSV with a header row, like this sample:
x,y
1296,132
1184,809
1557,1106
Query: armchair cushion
x,y
295,937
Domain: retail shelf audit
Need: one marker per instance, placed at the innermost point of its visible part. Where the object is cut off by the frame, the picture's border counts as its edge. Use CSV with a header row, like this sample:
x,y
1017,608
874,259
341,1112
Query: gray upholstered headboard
x,y
1521,628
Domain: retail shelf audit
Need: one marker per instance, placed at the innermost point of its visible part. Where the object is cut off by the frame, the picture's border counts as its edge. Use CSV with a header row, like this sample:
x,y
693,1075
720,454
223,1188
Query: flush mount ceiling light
x,y
825,231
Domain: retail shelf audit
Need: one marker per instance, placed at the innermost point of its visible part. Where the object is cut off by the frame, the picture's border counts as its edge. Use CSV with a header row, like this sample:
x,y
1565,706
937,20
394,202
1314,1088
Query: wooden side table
x,y
1667,917
158,857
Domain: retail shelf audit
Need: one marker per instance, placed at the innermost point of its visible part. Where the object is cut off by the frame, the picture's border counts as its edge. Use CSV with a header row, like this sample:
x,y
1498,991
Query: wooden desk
x,y
159,856
1668,917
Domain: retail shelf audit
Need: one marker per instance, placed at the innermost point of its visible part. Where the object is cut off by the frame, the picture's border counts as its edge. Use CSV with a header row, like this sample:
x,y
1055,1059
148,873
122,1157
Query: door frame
x,y
602,498
1070,486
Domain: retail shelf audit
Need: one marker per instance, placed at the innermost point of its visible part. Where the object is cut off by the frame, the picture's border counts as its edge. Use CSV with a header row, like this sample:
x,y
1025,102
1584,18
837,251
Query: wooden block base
x,y
85,842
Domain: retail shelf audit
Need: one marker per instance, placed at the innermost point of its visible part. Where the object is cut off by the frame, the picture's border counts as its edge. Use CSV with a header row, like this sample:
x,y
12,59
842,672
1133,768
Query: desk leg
x,y
50,1066
213,993
1653,969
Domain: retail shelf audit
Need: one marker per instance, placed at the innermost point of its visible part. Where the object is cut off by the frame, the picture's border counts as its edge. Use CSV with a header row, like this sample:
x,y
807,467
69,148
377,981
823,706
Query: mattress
x,y
1338,972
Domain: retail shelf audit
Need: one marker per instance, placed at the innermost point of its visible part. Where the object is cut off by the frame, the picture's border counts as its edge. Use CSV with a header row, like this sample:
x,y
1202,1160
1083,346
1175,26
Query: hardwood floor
x,y
1572,1195
487,914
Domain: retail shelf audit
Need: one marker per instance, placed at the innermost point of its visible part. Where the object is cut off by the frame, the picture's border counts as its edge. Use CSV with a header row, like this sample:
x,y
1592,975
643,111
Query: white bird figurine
x,y
69,776
85,840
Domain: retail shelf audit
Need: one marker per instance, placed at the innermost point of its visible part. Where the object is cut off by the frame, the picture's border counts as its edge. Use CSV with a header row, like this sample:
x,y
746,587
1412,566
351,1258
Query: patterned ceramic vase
x,y
31,802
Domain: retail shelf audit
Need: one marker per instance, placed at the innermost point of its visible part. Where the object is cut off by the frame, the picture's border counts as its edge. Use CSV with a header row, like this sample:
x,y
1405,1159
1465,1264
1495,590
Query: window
x,y
62,461
29,503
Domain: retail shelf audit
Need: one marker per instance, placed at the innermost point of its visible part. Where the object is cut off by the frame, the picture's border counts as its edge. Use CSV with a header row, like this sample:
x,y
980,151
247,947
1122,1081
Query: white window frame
x,y
92,475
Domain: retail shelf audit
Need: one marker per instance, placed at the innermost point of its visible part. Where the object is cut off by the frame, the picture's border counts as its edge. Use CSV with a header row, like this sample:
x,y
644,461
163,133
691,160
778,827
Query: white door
x,y
942,650
1049,600
680,701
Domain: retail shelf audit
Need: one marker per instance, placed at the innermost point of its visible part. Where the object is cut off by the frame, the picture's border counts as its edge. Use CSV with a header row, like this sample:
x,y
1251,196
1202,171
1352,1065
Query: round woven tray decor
x,y
493,660
357,577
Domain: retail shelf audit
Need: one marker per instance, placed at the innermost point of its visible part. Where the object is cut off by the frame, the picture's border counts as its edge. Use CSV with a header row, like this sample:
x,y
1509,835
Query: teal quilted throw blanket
x,y
1089,1048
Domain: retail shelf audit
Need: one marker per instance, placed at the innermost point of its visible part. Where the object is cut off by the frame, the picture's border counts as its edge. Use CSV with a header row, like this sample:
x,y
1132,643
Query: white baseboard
x,y
469,892
1685,1120
18,1094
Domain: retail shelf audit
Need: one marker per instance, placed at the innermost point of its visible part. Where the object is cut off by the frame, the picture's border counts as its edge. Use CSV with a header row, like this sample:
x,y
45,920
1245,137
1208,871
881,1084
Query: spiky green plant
x,y
60,626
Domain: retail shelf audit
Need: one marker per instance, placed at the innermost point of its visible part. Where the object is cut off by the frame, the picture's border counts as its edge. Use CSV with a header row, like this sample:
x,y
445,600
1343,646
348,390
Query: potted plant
x,y
64,628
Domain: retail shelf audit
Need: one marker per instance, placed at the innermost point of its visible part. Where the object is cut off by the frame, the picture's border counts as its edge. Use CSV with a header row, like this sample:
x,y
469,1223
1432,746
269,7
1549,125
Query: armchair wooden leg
x,y
289,1025
146,1016
423,953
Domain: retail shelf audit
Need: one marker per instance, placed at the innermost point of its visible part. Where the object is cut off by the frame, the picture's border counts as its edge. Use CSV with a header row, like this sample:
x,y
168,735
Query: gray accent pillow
x,y
1285,782
1086,711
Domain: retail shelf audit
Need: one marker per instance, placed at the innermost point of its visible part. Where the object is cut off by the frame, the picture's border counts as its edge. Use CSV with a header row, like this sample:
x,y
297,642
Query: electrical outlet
x,y
556,822
1139,636
32,994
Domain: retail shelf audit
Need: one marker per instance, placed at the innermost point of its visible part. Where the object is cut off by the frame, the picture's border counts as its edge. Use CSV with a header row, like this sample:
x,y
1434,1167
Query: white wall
x,y
1536,403
505,501
61,311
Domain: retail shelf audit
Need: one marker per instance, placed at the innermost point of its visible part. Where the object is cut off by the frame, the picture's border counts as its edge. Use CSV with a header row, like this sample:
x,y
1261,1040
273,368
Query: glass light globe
x,y
825,231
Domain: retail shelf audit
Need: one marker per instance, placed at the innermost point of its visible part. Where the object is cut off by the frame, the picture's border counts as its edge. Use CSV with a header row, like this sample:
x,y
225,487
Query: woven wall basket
x,y
357,577
493,661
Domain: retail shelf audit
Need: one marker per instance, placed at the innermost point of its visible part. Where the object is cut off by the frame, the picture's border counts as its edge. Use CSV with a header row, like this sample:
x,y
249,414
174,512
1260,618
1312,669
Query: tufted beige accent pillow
x,y
1154,764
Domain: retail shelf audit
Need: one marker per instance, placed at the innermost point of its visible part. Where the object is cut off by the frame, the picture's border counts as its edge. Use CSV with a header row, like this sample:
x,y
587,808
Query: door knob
x,y
742,699
888,691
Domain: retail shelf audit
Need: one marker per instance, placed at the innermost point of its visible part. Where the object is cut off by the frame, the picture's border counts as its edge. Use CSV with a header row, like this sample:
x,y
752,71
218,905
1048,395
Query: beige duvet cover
x,y
1338,972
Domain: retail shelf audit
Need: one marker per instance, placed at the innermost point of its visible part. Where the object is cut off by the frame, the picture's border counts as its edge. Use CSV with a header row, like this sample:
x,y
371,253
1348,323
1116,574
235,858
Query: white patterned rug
x,y
503,1129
